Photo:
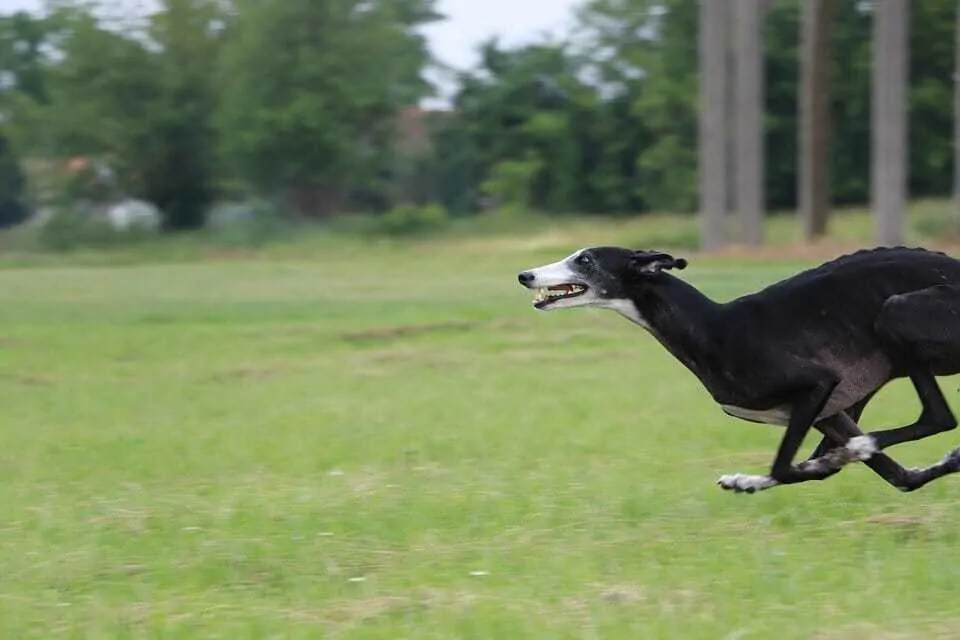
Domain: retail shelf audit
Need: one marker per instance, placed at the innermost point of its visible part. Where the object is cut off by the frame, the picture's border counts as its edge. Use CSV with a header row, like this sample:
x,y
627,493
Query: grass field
x,y
367,441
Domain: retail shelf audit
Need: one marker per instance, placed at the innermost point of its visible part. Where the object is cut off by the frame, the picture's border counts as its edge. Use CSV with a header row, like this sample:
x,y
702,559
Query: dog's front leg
x,y
783,470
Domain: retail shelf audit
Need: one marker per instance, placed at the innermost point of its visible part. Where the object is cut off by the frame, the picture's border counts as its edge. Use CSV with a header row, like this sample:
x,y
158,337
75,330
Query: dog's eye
x,y
583,258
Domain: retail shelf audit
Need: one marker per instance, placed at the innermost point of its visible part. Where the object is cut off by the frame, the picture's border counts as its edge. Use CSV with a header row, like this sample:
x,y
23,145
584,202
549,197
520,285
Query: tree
x,y
634,117
455,164
527,113
180,175
818,17
22,37
713,121
930,51
956,115
23,75
142,101
889,149
749,118
310,116
646,74
103,91
13,208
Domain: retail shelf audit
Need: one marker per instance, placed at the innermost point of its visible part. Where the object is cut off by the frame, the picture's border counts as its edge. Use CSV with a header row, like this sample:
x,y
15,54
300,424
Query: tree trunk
x,y
314,202
713,122
889,119
749,119
814,187
956,118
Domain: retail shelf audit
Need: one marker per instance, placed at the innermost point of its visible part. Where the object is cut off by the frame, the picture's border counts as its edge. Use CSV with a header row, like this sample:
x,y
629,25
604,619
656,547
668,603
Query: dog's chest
x,y
857,380
848,392
776,416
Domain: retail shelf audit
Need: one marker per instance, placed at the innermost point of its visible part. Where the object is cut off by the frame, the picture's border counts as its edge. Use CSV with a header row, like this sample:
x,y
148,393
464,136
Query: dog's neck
x,y
682,318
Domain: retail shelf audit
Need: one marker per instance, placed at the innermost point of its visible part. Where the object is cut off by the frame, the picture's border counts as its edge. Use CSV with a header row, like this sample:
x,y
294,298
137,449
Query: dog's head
x,y
596,277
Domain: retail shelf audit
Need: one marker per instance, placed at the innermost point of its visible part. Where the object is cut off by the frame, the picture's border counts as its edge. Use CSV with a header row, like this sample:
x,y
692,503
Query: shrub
x,y
247,224
69,228
510,185
409,219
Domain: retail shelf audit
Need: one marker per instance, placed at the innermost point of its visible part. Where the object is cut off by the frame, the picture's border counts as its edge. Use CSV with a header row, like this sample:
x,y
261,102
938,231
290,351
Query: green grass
x,y
366,441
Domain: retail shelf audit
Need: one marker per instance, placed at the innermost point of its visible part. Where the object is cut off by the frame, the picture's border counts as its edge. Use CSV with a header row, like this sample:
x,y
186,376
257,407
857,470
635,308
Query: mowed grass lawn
x,y
375,442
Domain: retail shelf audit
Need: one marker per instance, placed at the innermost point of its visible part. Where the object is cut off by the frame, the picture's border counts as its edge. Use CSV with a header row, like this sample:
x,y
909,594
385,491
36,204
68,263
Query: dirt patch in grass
x,y
379,363
29,379
624,594
897,520
349,613
248,373
910,526
396,332
558,356
363,609
931,515
867,631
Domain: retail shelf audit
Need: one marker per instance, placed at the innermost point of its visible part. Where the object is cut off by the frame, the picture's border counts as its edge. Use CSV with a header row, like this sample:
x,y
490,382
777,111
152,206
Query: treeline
x,y
313,105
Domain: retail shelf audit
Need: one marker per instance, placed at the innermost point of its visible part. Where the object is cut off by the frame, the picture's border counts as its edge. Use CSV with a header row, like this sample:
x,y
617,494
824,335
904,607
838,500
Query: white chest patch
x,y
779,416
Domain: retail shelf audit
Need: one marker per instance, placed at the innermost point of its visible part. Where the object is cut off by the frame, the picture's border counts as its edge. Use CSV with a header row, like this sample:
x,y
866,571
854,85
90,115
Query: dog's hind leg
x,y
922,330
841,426
935,416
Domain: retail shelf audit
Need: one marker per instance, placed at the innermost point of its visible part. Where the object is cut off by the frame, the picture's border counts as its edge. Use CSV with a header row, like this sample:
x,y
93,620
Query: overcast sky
x,y
468,22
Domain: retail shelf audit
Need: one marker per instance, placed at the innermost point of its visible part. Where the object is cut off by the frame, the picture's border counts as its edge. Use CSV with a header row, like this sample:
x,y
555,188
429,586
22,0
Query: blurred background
x,y
406,116
266,369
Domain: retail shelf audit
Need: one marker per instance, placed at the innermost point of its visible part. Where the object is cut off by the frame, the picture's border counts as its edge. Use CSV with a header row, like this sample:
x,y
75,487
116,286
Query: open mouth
x,y
548,295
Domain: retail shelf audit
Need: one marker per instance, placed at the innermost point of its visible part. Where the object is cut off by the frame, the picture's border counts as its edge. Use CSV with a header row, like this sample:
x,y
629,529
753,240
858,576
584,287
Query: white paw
x,y
862,447
742,483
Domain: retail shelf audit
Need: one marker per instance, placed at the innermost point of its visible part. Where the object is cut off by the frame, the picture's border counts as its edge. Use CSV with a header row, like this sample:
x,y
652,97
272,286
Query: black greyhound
x,y
808,351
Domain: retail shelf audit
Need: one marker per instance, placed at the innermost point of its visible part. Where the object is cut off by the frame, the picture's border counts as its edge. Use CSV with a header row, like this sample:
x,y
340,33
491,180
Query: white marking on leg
x,y
862,447
952,459
745,483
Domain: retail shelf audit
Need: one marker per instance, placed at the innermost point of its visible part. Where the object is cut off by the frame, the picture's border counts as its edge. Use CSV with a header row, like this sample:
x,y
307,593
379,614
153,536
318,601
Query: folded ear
x,y
650,263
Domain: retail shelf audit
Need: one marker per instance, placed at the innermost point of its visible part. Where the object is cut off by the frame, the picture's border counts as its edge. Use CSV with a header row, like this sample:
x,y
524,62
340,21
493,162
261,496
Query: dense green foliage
x,y
302,103
13,209
310,92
